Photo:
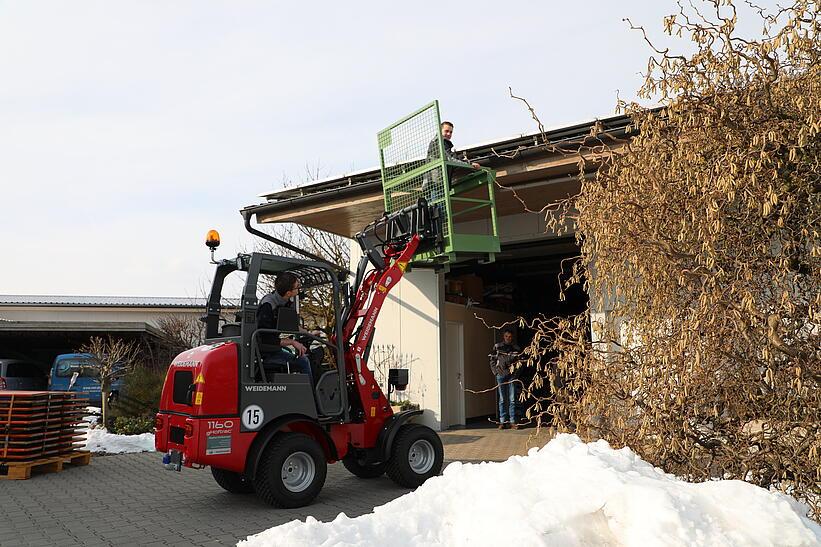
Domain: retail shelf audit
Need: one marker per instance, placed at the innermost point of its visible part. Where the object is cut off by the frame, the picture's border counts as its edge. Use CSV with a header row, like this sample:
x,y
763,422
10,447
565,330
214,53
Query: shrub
x,y
142,390
132,425
704,355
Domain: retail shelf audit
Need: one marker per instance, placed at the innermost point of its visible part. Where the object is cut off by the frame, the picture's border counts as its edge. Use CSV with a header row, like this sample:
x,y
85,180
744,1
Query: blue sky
x,y
128,129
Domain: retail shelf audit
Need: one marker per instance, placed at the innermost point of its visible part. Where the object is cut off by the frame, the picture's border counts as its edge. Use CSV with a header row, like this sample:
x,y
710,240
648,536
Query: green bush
x,y
145,385
142,390
132,425
405,405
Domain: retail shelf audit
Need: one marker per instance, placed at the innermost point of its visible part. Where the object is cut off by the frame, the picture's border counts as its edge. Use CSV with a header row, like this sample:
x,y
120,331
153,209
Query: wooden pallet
x,y
24,470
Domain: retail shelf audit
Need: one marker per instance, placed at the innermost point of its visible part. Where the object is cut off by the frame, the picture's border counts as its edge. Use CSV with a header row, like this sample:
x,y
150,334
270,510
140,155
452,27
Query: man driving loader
x,y
286,288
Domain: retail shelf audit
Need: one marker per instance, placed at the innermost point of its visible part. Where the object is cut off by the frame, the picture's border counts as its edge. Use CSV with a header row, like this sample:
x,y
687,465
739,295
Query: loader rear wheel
x,y
233,482
291,472
363,470
416,456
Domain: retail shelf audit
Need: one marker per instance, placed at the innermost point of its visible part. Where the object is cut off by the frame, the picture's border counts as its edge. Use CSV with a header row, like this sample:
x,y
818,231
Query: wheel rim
x,y
298,471
421,456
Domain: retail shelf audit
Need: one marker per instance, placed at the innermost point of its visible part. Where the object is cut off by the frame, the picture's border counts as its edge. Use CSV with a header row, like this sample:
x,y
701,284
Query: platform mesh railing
x,y
410,153
413,165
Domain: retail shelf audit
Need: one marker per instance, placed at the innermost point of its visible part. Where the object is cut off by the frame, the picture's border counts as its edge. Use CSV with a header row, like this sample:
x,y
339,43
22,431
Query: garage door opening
x,y
524,281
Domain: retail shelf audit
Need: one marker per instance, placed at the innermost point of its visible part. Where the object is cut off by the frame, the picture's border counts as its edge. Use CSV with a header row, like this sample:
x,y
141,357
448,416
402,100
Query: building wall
x,y
478,341
410,322
413,321
512,228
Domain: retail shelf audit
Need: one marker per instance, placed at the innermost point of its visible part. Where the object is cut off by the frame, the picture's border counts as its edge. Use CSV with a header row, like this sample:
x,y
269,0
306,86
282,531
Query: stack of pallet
x,y
39,431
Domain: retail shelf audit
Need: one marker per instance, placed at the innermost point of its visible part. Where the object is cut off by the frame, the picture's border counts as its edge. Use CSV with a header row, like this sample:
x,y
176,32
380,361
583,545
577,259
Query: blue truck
x,y
78,372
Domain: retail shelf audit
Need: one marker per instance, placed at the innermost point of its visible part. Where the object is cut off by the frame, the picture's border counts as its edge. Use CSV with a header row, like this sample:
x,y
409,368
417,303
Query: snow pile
x,y
567,493
100,440
93,415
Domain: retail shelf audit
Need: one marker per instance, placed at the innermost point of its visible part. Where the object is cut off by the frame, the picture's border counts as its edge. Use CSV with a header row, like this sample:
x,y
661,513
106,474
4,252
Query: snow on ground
x,y
567,493
101,441
93,414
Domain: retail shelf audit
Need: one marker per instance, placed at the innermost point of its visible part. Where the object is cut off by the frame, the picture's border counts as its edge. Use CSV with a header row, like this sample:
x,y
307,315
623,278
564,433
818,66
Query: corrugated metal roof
x,y
105,301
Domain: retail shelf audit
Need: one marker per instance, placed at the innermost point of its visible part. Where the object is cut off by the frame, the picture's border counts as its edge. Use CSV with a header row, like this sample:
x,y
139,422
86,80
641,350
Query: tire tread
x,y
398,469
231,481
265,488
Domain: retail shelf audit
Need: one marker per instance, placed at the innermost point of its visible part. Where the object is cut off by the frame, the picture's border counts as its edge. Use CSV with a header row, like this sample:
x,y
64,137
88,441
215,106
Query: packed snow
x,y
100,441
92,415
566,493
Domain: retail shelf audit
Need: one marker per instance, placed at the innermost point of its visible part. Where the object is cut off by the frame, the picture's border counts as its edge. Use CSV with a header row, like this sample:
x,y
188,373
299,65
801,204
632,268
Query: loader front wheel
x,y
291,472
231,481
363,470
416,456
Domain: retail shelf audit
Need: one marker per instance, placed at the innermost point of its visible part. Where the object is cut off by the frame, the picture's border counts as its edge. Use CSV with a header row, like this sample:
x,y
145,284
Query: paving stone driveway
x,y
131,499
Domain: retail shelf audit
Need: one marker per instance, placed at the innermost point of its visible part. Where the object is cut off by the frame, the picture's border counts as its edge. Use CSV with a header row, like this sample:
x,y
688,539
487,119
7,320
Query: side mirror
x,y
73,379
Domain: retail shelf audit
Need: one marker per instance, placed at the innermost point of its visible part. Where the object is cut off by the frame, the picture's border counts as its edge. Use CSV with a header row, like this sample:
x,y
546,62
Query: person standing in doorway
x,y
502,360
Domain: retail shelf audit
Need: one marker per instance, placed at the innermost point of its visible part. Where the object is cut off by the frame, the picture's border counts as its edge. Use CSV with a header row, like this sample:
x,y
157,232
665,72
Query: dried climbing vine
x,y
700,249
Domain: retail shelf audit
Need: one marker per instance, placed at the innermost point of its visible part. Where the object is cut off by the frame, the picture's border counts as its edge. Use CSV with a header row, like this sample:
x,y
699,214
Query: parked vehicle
x,y
78,372
19,374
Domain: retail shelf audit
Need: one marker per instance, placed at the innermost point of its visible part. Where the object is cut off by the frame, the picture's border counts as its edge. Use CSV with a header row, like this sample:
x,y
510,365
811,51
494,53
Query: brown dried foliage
x,y
113,358
700,250
316,305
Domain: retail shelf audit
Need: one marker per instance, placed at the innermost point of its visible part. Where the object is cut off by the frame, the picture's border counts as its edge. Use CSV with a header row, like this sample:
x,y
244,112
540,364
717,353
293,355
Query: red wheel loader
x,y
272,431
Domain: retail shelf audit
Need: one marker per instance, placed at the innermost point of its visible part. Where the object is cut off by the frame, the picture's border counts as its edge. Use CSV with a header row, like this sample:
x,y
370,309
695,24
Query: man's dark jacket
x,y
433,150
267,314
502,356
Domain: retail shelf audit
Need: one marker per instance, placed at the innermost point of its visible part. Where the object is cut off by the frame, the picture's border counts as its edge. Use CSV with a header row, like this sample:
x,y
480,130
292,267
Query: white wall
x,y
410,321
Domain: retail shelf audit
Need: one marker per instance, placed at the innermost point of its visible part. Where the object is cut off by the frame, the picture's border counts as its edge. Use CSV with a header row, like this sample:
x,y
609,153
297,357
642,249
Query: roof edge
x,y
362,182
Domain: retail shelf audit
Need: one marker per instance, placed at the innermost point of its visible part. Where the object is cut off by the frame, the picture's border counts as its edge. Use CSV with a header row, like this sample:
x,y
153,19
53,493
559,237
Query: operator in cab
x,y
286,288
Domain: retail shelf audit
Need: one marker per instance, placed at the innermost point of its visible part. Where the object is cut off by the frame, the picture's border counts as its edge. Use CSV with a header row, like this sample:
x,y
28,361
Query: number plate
x,y
252,417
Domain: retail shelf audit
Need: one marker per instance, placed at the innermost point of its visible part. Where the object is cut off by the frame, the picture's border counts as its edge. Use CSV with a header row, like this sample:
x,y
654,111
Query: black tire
x,y
361,470
231,481
417,455
306,471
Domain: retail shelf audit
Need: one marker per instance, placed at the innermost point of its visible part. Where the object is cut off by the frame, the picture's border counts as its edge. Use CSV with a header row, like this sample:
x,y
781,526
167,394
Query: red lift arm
x,y
388,244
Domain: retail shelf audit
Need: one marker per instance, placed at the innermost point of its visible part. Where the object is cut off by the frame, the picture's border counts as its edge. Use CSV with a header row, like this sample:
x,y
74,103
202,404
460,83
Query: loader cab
x,y
267,393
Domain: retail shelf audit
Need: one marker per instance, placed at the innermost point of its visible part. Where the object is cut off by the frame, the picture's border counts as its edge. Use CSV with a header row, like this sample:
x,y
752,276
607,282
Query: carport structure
x,y
435,320
42,327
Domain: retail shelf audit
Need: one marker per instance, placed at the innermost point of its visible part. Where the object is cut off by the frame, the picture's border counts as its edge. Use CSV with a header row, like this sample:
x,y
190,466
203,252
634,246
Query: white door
x,y
455,370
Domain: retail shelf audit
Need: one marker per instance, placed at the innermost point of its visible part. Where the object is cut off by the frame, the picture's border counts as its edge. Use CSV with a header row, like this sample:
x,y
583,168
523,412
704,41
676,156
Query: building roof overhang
x,y
7,326
534,169
181,304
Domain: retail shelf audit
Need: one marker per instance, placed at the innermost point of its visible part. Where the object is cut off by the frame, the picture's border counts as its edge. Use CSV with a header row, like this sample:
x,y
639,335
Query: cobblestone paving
x,y
131,499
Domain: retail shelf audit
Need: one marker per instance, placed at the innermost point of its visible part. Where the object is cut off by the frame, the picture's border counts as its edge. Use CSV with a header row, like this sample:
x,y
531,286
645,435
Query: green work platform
x,y
414,164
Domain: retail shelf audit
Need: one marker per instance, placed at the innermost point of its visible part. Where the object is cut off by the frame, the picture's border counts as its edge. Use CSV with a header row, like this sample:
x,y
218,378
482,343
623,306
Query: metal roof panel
x,y
105,301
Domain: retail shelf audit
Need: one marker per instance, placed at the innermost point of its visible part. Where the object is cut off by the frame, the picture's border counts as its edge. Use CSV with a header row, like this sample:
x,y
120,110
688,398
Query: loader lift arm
x,y
388,245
